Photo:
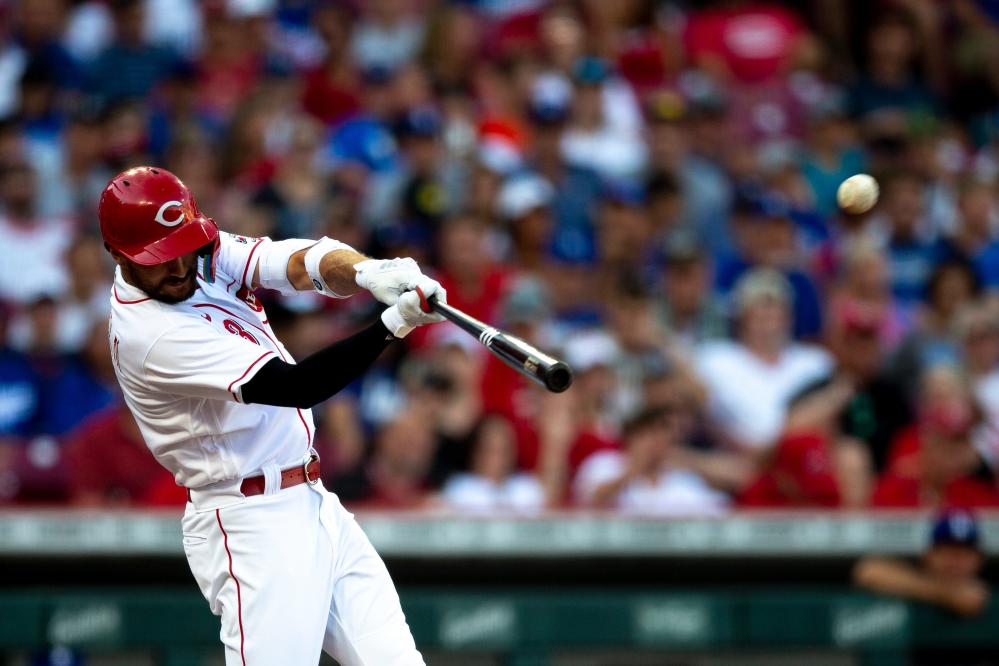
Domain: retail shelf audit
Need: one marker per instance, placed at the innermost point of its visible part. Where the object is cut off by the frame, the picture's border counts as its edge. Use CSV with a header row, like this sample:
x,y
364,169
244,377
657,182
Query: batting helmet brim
x,y
188,237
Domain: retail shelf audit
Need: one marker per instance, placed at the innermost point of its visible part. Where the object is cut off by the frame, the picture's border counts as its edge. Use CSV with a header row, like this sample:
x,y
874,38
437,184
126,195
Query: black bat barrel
x,y
553,374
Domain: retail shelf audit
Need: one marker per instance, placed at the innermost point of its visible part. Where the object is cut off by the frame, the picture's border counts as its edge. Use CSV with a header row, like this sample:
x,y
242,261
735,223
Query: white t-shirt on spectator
x,y
374,45
31,260
985,438
748,396
474,493
676,492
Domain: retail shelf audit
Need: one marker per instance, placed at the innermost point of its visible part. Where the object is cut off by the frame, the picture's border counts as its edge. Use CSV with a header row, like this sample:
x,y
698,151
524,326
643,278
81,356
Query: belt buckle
x,y
313,457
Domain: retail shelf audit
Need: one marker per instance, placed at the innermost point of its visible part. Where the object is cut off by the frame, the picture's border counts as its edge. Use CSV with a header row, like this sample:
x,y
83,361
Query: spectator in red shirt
x,y
330,89
934,463
110,465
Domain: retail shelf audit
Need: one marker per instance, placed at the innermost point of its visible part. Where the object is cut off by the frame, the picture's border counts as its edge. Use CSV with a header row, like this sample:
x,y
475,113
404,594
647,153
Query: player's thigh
x,y
366,625
276,569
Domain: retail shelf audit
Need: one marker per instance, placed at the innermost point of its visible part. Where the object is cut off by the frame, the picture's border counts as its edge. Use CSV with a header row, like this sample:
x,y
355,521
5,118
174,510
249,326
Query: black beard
x,y
155,292
173,300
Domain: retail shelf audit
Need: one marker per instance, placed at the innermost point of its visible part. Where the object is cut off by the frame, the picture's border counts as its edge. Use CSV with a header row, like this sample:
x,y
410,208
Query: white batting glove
x,y
387,279
408,312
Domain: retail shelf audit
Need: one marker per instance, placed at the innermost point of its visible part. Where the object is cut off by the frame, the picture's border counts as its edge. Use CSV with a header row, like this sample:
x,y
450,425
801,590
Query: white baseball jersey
x,y
182,367
289,571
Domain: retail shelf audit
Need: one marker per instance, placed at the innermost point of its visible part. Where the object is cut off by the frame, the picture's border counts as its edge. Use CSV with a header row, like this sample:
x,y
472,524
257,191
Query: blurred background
x,y
782,442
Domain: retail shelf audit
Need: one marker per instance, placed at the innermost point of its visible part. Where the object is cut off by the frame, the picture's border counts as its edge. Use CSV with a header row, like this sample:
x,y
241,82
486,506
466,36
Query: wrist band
x,y
313,258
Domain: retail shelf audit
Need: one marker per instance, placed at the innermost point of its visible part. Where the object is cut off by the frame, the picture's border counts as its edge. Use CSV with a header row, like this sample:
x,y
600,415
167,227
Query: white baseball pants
x,y
291,574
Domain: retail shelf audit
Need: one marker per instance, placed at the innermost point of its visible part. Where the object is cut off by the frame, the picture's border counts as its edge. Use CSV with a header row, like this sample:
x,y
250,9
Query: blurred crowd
x,y
643,187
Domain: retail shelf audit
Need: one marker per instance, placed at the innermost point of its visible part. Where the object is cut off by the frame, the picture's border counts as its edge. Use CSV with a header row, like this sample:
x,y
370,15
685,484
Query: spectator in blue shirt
x,y
129,67
19,388
70,387
911,257
766,236
577,188
974,238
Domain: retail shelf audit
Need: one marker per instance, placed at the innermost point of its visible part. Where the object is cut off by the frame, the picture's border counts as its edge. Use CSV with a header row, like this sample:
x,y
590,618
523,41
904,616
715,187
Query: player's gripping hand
x,y
408,312
388,279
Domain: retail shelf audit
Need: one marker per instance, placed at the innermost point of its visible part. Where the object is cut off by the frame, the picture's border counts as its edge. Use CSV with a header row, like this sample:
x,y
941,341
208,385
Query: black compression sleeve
x,y
320,375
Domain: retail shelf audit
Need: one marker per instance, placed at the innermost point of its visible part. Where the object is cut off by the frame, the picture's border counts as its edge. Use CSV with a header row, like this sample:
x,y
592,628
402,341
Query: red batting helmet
x,y
150,216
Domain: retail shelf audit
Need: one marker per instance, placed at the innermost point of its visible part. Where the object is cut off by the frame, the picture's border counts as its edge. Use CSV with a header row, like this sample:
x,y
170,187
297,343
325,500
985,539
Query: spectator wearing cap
x,y
644,477
858,407
934,463
947,575
492,483
624,229
524,203
614,149
130,66
424,196
705,189
750,379
688,308
577,187
766,236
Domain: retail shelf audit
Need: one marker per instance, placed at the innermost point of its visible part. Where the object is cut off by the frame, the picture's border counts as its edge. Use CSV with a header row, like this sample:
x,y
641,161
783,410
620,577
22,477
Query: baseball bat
x,y
553,374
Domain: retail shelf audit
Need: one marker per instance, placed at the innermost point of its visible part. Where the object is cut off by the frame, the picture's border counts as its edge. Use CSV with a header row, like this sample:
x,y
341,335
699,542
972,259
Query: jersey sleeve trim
x,y
243,378
249,262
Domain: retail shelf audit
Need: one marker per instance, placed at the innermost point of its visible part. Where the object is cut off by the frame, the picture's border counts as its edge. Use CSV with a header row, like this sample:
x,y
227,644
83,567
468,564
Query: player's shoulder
x,y
238,240
136,327
235,257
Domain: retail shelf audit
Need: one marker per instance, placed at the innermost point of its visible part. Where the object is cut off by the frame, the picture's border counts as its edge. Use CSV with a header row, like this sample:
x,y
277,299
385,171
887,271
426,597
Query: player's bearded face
x,y
170,282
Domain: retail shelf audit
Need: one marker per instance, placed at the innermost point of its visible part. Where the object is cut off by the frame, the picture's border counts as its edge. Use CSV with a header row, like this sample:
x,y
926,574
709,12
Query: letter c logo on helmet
x,y
164,208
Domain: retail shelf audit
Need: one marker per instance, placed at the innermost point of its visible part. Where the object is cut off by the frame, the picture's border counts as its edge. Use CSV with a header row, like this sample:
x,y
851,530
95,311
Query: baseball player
x,y
224,407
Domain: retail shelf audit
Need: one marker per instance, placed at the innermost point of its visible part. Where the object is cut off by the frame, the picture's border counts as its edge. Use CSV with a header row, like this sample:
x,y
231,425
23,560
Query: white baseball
x,y
857,194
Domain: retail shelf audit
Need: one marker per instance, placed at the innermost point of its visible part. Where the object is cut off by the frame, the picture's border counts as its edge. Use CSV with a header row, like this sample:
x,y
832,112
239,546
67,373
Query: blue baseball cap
x,y
955,527
420,121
